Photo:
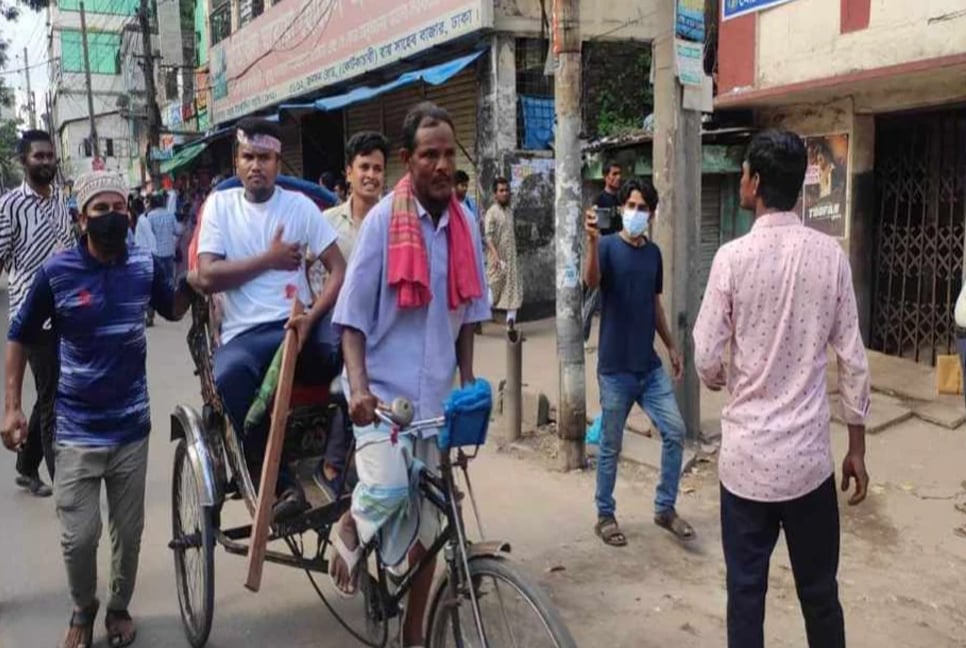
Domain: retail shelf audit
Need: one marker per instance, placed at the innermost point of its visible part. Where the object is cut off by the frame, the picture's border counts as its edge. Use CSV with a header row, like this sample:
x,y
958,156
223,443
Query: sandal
x,y
115,639
961,507
609,532
674,523
290,504
351,558
84,619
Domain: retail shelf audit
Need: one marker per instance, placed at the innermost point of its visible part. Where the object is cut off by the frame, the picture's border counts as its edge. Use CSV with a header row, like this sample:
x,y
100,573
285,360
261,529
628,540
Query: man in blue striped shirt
x,y
95,296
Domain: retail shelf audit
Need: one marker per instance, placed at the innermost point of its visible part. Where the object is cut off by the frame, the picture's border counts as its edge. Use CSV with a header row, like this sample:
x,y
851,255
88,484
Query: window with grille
x,y
220,22
171,84
102,50
535,111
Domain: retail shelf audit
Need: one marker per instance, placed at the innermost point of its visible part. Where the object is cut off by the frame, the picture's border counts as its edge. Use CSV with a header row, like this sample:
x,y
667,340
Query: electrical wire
x,y
325,15
21,70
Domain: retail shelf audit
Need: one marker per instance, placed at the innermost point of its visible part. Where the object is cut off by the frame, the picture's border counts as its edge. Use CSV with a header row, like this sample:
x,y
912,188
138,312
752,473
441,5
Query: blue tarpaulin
x,y
435,75
538,115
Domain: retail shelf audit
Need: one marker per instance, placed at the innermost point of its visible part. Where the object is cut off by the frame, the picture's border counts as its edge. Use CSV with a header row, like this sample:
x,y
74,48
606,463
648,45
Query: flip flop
x,y
610,533
674,523
116,639
85,619
351,559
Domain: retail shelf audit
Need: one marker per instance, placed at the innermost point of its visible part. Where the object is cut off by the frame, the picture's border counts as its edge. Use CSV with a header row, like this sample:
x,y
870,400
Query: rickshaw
x,y
480,599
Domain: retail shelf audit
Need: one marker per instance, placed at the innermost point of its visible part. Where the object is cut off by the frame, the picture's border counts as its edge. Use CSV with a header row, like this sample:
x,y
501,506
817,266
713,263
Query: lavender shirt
x,y
409,353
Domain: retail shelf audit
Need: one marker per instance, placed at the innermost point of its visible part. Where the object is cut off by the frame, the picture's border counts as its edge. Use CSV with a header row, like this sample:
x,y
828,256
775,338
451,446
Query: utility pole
x,y
677,230
95,144
572,396
31,106
150,92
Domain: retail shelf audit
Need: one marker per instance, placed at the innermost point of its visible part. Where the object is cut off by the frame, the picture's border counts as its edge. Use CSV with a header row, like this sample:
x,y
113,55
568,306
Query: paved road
x,y
33,601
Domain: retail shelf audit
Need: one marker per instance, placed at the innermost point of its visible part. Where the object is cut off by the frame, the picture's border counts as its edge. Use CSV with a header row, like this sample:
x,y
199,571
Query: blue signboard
x,y
689,20
734,8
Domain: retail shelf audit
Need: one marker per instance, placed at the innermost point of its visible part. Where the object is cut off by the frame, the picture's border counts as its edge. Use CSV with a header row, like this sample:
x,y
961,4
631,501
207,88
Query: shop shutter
x,y
291,148
395,105
365,116
710,224
459,97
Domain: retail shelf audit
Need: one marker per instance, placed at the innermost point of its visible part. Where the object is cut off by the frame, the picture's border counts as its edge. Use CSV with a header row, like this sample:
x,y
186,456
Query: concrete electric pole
x,y
572,397
677,229
95,144
31,105
150,93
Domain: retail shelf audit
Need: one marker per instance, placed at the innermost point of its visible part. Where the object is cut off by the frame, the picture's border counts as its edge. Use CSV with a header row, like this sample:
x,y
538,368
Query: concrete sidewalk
x,y
901,388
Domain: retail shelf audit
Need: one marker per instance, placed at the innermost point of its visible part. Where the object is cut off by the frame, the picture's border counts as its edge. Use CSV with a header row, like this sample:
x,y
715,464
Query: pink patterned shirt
x,y
780,295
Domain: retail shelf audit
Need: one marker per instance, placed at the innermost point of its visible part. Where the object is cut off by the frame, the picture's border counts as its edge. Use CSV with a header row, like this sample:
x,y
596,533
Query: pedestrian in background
x,y
34,224
959,315
608,206
627,269
502,269
167,230
94,295
462,189
777,298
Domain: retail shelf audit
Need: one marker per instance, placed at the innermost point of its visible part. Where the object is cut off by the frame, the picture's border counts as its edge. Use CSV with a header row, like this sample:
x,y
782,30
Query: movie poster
x,y
826,181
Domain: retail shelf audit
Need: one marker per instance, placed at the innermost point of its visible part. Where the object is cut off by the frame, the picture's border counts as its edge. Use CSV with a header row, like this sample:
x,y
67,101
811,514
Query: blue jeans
x,y
655,395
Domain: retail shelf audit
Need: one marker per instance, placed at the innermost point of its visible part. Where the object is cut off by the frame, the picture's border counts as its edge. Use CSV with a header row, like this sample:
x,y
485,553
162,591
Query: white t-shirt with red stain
x,y
235,228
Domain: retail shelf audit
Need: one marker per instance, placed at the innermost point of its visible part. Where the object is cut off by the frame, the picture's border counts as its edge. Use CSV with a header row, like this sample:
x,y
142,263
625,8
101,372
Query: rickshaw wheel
x,y
194,549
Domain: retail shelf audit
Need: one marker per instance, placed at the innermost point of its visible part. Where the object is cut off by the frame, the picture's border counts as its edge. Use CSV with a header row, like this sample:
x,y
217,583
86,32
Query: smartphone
x,y
605,217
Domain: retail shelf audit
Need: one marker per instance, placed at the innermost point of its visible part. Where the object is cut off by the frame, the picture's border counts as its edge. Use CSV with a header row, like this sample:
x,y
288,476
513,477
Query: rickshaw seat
x,y
314,395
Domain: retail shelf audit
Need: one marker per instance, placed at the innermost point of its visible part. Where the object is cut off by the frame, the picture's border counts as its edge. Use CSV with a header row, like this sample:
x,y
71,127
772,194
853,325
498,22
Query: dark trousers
x,y
239,369
749,531
45,367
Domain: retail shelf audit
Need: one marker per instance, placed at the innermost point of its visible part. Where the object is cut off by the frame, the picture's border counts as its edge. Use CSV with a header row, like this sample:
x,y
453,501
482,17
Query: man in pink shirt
x,y
776,299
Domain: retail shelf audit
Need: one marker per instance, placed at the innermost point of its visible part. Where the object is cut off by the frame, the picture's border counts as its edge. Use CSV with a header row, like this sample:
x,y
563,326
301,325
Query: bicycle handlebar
x,y
400,415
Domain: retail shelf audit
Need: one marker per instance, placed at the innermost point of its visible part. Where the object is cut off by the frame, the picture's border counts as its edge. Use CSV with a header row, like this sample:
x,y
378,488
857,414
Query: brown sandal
x,y
609,532
84,619
674,523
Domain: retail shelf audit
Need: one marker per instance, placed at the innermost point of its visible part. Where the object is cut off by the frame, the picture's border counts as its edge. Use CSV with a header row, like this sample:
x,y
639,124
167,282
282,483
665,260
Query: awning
x,y
435,75
183,157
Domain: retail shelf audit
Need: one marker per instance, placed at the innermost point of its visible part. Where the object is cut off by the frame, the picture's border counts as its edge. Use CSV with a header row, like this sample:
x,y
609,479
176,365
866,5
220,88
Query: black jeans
x,y
749,531
45,366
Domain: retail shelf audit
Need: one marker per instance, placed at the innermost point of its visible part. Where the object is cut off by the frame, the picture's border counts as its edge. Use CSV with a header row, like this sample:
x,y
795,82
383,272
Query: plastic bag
x,y
593,432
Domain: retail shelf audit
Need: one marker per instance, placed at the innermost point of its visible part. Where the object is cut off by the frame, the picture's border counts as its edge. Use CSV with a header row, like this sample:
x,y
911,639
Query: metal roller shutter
x,y
363,117
291,148
710,225
395,105
459,97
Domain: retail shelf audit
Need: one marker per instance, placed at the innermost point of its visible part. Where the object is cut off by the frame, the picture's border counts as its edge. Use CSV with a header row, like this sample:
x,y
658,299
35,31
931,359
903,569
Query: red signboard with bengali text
x,y
301,46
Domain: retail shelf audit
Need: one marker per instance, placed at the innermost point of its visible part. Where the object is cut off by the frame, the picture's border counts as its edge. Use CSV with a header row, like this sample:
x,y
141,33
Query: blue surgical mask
x,y
635,222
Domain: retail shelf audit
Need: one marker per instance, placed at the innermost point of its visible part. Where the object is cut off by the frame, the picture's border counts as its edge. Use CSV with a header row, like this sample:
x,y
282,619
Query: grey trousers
x,y
77,493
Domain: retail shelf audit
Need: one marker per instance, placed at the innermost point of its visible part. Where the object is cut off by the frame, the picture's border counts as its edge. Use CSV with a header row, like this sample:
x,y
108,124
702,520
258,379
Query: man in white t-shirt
x,y
254,241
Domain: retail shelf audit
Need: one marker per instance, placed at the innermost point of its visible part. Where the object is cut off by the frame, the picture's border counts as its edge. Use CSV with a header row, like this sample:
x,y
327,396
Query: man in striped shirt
x,y
34,224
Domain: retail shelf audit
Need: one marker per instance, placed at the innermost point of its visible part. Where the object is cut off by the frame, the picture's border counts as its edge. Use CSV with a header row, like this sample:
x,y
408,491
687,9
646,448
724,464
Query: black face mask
x,y
108,232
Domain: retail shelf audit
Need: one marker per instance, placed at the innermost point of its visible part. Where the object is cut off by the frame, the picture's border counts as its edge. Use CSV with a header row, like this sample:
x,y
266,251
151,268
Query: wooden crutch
x,y
273,456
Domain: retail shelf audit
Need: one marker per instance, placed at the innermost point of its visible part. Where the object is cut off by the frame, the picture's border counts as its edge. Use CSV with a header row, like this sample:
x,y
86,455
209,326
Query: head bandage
x,y
260,141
